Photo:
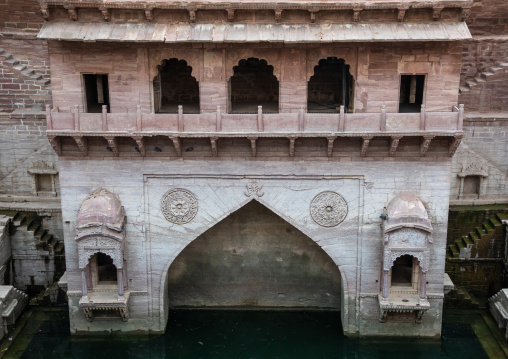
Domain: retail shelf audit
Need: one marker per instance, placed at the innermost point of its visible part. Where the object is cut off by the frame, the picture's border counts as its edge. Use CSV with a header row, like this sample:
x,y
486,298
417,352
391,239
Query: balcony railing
x,y
219,122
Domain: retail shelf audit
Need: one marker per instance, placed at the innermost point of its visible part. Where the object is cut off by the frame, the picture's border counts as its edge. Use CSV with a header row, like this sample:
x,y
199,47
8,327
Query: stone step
x,y
468,240
486,75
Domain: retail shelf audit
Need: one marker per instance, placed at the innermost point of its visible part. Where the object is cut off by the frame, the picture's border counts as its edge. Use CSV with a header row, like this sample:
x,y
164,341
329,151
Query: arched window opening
x,y
253,84
330,87
174,85
106,270
405,272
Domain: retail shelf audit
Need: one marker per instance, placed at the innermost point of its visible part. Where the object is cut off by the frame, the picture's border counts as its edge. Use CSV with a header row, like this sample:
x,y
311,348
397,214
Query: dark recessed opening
x,y
411,93
174,85
402,271
105,268
44,183
253,84
96,92
471,185
330,87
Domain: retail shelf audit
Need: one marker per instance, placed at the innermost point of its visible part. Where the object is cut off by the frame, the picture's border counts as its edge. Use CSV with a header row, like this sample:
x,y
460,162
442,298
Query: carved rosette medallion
x,y
179,206
328,209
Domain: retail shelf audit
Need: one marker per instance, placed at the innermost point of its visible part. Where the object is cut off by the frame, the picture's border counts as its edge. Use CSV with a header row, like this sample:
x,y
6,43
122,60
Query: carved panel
x,y
407,237
179,206
328,209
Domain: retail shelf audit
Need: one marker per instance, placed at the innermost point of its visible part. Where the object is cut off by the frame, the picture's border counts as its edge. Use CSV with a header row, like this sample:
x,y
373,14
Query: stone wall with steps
x,y
37,256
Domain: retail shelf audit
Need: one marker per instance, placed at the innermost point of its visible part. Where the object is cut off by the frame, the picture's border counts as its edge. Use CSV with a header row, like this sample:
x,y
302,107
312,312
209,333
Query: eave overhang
x,y
254,33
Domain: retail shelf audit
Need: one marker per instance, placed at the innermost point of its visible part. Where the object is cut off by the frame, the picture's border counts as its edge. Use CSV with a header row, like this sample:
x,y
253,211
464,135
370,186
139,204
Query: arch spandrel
x,y
194,59
271,56
314,55
229,198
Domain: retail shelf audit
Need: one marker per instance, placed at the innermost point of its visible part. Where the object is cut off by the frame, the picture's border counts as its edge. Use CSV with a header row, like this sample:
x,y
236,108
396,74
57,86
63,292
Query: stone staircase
x,y
463,247
44,241
485,76
8,59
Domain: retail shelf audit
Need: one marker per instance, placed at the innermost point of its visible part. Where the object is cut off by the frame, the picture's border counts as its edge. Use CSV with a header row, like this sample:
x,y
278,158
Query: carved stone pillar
x,y
119,277
84,286
423,285
385,284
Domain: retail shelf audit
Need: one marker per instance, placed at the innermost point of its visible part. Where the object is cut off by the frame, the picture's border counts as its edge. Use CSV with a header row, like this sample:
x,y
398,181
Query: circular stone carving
x,y
328,209
179,206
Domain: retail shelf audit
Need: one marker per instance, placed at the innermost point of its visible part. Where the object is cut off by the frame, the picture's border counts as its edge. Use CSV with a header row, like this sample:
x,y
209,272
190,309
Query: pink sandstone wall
x,y
376,70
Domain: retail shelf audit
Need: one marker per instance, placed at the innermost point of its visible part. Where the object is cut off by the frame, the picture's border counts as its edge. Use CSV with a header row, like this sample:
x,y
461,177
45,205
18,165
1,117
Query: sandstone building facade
x,y
255,155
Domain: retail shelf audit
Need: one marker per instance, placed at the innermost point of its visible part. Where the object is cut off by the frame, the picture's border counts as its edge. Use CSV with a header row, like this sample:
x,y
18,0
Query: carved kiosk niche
x,y
407,235
471,179
100,234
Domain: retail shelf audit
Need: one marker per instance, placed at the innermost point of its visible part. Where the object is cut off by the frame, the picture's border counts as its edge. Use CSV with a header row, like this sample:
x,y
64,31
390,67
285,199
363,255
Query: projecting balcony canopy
x,y
241,33
216,125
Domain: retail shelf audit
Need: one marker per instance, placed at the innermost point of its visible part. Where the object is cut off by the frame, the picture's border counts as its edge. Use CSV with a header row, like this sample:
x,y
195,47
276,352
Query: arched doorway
x,y
253,84
330,87
254,259
174,85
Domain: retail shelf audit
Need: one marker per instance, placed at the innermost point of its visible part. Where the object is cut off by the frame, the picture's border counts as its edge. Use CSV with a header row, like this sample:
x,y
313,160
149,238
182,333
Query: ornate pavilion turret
x,y
100,234
407,234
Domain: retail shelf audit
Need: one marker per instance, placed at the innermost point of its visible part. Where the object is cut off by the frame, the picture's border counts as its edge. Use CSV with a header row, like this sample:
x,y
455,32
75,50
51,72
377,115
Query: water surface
x,y
238,334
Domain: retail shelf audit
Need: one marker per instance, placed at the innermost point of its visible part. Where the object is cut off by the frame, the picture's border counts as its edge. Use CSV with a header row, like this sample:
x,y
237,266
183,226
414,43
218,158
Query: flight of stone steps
x,y
32,223
7,58
485,76
463,246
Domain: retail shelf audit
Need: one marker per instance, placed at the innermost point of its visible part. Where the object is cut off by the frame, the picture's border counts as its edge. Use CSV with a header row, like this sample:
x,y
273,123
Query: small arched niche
x,y
253,84
330,87
175,86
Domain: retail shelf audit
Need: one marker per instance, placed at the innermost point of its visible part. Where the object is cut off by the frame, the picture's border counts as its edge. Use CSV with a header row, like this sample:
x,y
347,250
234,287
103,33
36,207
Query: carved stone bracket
x,y
436,12
73,14
45,10
253,146
394,143
356,14
425,144
313,12
149,13
82,144
213,144
254,188
464,14
192,13
231,15
292,146
113,144
278,15
106,13
140,141
56,143
365,145
176,143
401,14
331,140
454,145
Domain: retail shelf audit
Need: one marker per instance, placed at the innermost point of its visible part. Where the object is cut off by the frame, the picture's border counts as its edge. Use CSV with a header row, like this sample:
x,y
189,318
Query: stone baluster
x,y
119,277
260,119
423,285
84,286
385,284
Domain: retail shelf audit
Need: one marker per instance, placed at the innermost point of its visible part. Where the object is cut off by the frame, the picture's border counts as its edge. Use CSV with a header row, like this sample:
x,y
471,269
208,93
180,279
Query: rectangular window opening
x,y
411,93
96,92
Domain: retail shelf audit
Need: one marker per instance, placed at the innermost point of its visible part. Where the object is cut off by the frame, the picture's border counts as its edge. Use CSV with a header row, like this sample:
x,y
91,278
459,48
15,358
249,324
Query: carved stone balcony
x,y
105,303
423,126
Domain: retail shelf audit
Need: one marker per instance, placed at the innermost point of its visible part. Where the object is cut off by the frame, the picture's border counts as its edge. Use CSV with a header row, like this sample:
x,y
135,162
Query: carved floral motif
x,y
328,209
179,206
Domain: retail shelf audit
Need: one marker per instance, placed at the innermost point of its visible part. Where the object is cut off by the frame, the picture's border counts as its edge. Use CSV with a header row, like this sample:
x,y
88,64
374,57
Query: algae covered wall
x,y
254,258
477,268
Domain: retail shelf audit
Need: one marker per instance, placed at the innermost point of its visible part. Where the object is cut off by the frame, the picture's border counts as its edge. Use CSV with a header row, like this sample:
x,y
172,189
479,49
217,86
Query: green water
x,y
238,334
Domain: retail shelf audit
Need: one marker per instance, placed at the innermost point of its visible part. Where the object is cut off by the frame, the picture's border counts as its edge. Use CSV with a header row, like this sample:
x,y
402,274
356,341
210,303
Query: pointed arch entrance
x,y
254,259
